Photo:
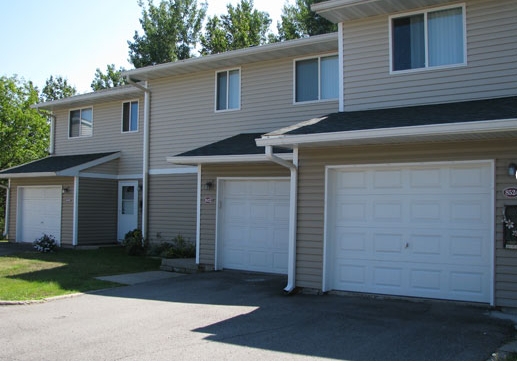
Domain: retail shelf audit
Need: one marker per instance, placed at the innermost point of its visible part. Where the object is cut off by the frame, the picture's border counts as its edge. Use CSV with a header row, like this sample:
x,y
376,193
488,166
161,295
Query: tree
x,y
171,32
112,78
24,132
57,88
243,26
299,21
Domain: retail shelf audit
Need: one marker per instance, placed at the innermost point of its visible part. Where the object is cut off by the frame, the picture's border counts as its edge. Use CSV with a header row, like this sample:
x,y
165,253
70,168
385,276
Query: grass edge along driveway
x,y
29,275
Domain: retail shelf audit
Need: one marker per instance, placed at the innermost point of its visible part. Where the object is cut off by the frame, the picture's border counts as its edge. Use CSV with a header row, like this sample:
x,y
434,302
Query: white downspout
x,y
198,214
75,227
341,70
52,146
145,163
7,200
293,167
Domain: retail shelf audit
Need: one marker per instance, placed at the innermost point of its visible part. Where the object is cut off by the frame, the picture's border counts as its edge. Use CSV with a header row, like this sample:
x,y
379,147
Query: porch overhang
x,y
239,148
54,166
451,122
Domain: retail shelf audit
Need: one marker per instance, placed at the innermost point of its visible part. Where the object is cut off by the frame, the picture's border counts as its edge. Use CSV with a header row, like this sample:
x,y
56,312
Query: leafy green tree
x,y
171,32
57,88
112,78
24,132
243,26
299,21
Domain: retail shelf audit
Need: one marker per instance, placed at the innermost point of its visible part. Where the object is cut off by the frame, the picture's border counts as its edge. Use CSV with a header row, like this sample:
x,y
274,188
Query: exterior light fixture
x,y
209,185
512,170
65,190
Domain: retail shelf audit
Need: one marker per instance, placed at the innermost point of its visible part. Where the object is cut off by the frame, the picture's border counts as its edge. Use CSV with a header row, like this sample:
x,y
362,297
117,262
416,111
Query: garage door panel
x,y
39,213
253,225
412,231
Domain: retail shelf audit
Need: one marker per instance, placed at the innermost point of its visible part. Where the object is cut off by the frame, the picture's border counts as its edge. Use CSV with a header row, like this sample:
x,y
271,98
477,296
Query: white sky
x,y
72,38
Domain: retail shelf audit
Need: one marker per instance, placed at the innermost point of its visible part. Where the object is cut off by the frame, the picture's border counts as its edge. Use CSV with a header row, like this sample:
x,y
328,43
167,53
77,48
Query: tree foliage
x,y
171,32
242,26
299,21
24,132
57,88
112,78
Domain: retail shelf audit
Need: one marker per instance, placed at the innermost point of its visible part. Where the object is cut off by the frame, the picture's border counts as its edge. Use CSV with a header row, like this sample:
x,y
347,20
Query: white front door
x,y
413,230
253,223
127,207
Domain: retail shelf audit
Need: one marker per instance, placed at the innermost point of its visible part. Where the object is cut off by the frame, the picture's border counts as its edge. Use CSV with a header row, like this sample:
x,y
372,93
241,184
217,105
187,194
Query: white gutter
x,y
244,158
145,163
293,167
449,131
7,199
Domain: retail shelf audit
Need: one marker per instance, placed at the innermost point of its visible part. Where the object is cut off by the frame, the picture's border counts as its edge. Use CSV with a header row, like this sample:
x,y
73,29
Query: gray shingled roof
x,y
446,113
241,144
54,164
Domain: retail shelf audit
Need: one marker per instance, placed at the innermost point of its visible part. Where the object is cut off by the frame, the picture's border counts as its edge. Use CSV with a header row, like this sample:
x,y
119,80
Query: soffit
x,y
346,10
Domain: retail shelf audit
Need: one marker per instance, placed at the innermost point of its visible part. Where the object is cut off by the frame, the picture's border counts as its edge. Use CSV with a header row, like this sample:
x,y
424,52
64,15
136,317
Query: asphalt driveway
x,y
242,316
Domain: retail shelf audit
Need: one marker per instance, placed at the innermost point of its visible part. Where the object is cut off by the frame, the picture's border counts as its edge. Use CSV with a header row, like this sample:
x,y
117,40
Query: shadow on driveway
x,y
346,327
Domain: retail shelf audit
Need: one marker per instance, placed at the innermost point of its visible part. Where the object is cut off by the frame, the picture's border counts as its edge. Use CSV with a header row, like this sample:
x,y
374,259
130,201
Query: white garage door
x,y
39,212
253,222
424,231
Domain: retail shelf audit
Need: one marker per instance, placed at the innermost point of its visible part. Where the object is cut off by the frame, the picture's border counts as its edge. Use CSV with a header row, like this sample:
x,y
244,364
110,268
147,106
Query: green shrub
x,y
179,248
134,243
46,243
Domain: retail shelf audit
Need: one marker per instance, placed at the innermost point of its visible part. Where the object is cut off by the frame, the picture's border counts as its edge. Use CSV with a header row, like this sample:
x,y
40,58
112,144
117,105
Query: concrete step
x,y
186,266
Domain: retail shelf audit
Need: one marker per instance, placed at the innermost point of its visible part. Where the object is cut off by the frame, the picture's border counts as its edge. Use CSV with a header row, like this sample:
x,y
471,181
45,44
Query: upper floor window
x,y
429,39
81,123
317,79
228,90
130,116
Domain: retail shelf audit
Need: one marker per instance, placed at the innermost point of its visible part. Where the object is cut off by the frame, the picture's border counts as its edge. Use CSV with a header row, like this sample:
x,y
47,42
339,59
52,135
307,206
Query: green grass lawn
x,y
35,276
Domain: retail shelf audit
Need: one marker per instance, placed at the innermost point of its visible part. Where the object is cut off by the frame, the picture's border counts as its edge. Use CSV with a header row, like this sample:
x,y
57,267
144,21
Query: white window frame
x,y
227,71
318,57
426,38
137,117
69,123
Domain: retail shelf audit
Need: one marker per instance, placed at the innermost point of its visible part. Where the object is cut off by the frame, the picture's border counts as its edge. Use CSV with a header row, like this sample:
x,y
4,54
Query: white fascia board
x,y
277,50
244,158
89,98
74,171
28,175
477,127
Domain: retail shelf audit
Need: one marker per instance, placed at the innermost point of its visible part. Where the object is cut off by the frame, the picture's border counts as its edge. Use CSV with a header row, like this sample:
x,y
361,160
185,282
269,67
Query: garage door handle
x,y
407,244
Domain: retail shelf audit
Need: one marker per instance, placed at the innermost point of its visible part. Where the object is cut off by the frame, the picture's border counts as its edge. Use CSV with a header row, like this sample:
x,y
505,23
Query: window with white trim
x,y
81,123
316,79
228,90
428,39
130,116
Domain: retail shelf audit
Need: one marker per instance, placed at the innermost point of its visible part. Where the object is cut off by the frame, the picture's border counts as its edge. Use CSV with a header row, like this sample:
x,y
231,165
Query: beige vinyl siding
x,y
208,210
172,207
184,116
109,168
107,136
490,70
311,195
67,204
97,211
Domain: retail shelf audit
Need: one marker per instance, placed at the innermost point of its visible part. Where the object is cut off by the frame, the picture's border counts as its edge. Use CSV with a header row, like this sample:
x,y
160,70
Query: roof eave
x,y
243,158
443,132
235,57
